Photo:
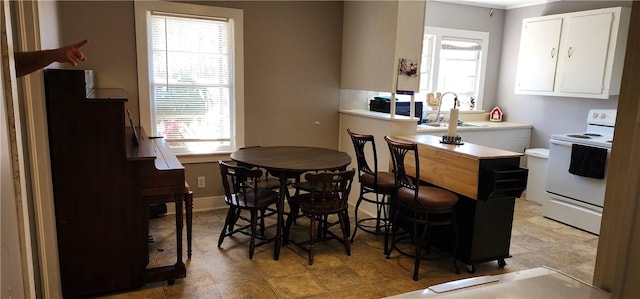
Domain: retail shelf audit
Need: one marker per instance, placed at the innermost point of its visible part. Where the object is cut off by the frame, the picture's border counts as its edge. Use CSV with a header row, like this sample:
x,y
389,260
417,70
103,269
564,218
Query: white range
x,y
577,172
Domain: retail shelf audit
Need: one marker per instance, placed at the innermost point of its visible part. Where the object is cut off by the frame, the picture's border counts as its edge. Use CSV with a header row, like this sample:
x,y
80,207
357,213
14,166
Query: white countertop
x,y
473,151
377,115
467,126
475,126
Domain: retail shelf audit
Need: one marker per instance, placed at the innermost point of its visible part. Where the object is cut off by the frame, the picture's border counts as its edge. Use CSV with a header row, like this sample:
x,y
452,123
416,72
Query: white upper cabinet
x,y
539,54
577,54
585,53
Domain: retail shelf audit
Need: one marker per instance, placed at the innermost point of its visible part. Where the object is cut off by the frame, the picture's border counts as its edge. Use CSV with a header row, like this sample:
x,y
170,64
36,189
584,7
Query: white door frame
x,y
31,89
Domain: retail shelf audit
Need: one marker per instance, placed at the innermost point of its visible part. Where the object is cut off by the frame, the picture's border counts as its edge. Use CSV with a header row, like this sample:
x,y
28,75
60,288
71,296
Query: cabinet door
x,y
511,143
476,138
538,55
586,52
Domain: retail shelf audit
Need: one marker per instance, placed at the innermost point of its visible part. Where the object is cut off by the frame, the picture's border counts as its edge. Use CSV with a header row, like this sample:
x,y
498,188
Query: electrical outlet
x,y
201,182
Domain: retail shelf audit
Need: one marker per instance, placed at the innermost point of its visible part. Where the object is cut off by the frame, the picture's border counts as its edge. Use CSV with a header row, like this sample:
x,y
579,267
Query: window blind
x,y
191,78
459,65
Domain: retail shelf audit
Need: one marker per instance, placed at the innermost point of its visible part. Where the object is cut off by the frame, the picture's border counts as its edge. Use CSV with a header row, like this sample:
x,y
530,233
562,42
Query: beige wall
x,y
292,68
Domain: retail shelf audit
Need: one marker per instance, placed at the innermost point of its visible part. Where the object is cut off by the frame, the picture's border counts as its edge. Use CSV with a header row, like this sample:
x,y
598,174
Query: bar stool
x,y
371,182
419,205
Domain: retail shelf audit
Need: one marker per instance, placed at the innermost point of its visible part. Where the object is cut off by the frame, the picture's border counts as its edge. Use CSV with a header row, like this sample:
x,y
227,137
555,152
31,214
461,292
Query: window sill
x,y
473,111
202,158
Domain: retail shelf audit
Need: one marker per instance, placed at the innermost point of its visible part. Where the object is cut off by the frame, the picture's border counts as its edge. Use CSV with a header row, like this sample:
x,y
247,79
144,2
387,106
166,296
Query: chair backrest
x,y
237,181
330,190
399,150
359,143
267,182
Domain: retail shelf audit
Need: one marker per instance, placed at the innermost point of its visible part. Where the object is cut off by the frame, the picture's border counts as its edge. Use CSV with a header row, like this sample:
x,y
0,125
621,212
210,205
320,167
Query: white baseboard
x,y
209,203
203,204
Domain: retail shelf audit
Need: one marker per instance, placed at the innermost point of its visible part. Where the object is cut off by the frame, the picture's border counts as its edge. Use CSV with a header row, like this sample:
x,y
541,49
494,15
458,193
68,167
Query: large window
x,y
190,78
454,61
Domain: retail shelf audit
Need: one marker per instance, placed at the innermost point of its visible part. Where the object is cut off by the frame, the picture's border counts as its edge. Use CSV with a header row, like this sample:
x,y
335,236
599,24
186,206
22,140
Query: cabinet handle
x,y
570,51
553,52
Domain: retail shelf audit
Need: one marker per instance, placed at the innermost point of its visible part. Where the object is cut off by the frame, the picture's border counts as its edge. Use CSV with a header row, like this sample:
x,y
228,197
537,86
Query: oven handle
x,y
560,142
566,143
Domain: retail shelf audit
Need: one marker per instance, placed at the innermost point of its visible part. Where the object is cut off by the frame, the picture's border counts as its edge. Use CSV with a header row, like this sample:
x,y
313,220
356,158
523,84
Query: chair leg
x,y
418,254
343,217
312,238
348,223
234,219
288,196
392,229
379,211
323,226
294,210
230,215
455,244
262,222
254,224
385,210
188,201
417,241
355,212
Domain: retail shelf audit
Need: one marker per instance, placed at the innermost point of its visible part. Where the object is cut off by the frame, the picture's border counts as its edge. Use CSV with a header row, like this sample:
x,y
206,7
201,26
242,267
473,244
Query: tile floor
x,y
227,272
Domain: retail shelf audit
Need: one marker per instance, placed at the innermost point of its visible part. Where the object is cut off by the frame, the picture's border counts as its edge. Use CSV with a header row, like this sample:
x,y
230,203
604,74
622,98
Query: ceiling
x,y
501,4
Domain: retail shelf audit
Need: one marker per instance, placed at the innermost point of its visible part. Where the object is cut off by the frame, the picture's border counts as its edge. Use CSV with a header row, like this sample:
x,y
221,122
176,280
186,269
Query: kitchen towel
x,y
588,161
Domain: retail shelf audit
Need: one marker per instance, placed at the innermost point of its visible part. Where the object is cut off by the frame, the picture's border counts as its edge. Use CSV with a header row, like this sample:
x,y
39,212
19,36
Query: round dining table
x,y
290,162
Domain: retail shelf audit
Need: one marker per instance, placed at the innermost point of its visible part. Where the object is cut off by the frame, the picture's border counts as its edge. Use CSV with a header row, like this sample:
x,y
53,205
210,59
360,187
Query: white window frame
x,y
439,33
235,16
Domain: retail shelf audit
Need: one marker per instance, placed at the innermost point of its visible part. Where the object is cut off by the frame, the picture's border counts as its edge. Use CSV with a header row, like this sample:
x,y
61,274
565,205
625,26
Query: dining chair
x,y
328,195
418,207
268,181
372,182
300,186
240,194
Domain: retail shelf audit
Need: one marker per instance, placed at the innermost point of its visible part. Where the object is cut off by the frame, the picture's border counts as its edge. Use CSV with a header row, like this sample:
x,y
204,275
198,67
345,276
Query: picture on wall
x,y
407,76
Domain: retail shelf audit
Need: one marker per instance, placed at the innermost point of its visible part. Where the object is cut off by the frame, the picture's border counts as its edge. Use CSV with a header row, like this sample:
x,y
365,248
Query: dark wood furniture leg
x,y
178,270
280,223
179,224
188,205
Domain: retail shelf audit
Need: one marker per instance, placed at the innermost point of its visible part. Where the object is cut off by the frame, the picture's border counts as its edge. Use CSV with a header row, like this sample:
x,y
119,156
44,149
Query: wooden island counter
x,y
487,181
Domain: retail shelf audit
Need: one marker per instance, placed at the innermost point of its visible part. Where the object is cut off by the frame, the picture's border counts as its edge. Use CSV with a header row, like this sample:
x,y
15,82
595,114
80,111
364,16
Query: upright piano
x,y
105,174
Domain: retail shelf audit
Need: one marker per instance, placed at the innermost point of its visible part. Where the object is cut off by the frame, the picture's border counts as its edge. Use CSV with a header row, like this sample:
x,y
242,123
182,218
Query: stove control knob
x,y
603,115
595,115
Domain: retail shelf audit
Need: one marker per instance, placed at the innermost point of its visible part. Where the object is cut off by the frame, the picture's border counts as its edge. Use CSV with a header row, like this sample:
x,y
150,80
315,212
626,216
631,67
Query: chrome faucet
x,y
455,103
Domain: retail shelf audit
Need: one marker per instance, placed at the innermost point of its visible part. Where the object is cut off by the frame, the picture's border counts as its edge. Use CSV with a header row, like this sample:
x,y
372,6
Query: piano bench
x,y
188,205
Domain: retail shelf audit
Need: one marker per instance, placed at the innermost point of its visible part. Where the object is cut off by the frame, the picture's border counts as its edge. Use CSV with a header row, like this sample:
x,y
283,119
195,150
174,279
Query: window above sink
x,y
454,60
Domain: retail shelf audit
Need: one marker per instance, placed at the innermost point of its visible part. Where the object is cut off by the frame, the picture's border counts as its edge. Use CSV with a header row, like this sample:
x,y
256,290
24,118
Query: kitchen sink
x,y
472,125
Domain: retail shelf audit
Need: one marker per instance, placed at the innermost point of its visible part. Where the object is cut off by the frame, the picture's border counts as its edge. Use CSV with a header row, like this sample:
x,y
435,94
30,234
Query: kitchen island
x,y
478,130
504,135
487,181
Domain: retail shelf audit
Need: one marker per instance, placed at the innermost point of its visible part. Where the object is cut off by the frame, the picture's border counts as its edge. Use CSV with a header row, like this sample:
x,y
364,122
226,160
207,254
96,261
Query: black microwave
x,y
380,104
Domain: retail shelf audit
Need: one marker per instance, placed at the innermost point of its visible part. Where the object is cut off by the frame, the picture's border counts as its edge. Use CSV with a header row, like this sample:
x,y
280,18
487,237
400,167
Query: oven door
x,y
559,181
